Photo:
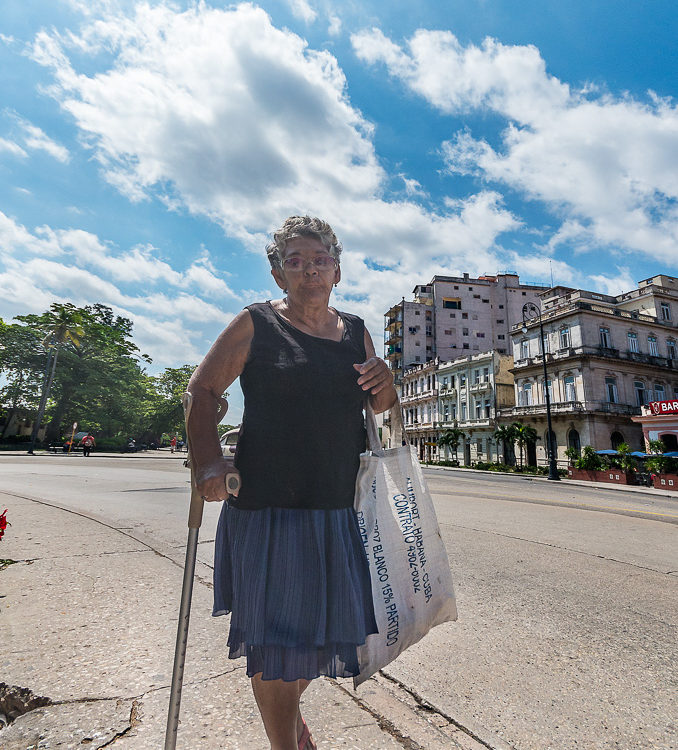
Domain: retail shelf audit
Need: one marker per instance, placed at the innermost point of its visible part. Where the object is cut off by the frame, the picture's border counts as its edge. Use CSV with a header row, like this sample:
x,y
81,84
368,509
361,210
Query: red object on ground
x,y
3,522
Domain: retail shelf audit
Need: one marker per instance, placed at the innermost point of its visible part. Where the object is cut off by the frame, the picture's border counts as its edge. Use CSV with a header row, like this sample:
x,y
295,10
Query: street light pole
x,y
531,312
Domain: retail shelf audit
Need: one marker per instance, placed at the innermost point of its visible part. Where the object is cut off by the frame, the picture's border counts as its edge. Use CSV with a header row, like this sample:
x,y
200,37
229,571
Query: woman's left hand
x,y
375,375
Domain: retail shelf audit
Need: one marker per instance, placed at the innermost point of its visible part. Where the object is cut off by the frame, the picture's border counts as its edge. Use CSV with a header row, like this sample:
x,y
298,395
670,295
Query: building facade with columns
x,y
419,402
607,357
472,390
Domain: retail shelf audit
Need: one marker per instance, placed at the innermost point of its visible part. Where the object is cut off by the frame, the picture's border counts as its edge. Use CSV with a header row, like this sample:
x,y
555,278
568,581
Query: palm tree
x,y
61,325
524,434
506,435
450,439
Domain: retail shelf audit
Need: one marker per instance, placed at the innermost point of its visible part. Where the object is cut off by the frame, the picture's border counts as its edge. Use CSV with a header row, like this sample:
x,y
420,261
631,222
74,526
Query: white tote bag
x,y
410,573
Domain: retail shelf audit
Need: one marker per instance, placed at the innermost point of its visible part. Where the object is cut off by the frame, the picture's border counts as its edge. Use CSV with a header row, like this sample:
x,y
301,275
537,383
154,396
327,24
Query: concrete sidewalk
x,y
89,617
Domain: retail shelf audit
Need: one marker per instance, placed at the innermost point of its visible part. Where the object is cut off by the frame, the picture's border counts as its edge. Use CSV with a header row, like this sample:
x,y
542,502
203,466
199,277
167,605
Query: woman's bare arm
x,y
223,363
377,378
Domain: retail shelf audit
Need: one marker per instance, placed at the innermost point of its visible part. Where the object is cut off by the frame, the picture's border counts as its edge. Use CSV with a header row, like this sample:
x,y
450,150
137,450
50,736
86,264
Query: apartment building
x,y
607,356
419,402
472,390
452,316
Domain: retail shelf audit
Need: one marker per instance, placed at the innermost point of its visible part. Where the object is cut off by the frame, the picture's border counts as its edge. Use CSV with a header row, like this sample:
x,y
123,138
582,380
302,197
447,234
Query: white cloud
x,y
302,9
334,29
172,323
607,166
37,139
613,285
221,112
11,147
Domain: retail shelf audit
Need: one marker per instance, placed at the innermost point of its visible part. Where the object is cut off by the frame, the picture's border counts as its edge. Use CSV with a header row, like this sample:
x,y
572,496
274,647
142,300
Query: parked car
x,y
228,441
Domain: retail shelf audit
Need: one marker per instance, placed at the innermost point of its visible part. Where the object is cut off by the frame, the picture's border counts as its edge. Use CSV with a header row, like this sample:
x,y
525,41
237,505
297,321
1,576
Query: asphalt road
x,y
567,595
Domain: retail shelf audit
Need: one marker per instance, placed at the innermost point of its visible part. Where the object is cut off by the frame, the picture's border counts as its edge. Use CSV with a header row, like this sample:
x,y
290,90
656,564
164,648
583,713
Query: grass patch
x,y
6,563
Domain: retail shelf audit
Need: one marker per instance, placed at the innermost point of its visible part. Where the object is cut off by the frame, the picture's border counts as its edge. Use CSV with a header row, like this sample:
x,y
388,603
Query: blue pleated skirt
x,y
297,585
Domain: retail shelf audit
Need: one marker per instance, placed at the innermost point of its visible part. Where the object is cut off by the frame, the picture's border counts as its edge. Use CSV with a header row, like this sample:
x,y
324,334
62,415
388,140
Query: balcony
x,y
480,387
558,407
597,351
421,396
570,407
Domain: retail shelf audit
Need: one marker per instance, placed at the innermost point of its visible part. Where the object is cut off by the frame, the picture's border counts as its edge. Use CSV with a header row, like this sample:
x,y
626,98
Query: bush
x,y
589,460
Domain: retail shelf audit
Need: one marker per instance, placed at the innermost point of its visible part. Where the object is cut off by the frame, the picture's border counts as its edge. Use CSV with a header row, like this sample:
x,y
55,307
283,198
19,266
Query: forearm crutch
x,y
194,522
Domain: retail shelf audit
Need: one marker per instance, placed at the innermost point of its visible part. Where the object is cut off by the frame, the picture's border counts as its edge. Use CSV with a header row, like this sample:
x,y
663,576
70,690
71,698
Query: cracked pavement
x,y
90,616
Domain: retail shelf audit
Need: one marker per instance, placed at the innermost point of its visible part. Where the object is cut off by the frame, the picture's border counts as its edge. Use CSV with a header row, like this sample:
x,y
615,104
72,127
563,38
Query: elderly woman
x,y
289,561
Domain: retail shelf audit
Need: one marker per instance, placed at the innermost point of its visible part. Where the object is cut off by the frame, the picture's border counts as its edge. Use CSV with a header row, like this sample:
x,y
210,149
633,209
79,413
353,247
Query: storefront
x,y
659,421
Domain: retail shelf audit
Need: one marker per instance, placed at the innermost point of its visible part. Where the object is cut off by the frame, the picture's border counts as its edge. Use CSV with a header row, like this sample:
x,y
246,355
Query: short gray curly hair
x,y
302,226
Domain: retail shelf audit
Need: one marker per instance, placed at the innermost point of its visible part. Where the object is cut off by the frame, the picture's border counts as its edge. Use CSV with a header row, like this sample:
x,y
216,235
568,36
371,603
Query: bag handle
x,y
396,414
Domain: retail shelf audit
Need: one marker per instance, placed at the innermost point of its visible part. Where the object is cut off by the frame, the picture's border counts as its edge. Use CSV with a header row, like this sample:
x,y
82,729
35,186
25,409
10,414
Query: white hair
x,y
302,226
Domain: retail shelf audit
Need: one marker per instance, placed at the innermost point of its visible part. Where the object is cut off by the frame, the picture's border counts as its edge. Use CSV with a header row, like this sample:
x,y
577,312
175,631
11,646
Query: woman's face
x,y
303,279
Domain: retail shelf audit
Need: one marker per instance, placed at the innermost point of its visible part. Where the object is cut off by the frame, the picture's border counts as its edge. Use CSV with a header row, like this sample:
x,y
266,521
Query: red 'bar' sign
x,y
664,407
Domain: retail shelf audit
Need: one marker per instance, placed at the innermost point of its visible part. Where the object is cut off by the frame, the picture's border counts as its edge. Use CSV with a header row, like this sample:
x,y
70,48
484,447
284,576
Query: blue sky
x,y
147,150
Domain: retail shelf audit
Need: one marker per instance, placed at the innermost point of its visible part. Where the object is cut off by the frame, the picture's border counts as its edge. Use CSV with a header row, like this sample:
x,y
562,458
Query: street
x,y
568,596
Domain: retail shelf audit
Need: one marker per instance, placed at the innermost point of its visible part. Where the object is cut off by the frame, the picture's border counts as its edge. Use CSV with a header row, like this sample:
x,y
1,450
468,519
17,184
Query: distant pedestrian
x,y
87,443
173,443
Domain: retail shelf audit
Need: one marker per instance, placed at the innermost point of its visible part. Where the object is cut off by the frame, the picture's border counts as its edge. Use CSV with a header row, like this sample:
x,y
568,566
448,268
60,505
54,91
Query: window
x,y
486,374
479,447
524,349
652,346
453,315
464,316
501,337
417,312
573,440
549,385
486,300
501,351
476,296
605,338
476,377
451,304
479,409
465,346
665,311
463,412
611,390
487,409
499,322
451,381
544,344
659,393
464,331
570,393
480,335
524,294
527,394
429,330
462,380
632,339
639,389
671,349
565,338
501,307
417,359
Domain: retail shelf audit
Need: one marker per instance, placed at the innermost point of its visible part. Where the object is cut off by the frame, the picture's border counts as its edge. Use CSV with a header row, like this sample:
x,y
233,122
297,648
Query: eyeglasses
x,y
321,263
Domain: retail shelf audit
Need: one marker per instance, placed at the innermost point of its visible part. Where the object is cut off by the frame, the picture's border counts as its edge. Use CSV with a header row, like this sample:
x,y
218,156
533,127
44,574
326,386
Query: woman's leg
x,y
278,703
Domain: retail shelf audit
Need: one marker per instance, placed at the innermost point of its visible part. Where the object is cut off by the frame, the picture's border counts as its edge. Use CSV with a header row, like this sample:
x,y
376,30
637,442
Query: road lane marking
x,y
544,501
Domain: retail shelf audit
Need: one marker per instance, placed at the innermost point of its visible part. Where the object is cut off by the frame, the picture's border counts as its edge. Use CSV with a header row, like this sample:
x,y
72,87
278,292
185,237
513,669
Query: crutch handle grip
x,y
232,482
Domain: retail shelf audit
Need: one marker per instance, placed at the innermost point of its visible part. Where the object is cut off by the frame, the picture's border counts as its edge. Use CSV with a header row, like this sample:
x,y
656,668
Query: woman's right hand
x,y
210,480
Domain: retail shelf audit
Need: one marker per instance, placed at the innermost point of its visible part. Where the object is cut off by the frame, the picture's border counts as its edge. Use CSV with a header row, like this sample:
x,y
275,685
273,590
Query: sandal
x,y
305,736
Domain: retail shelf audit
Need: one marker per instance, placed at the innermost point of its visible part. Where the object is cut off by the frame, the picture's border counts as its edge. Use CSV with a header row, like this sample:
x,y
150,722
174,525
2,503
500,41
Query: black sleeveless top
x,y
303,429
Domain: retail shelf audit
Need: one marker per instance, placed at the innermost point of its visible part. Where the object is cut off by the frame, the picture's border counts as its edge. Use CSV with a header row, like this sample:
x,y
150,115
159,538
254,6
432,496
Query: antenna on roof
x,y
551,267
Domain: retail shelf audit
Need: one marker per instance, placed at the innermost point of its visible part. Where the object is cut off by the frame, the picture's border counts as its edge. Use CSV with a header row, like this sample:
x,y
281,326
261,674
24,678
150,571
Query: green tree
x,y
524,434
164,411
22,362
60,325
450,439
506,435
589,459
